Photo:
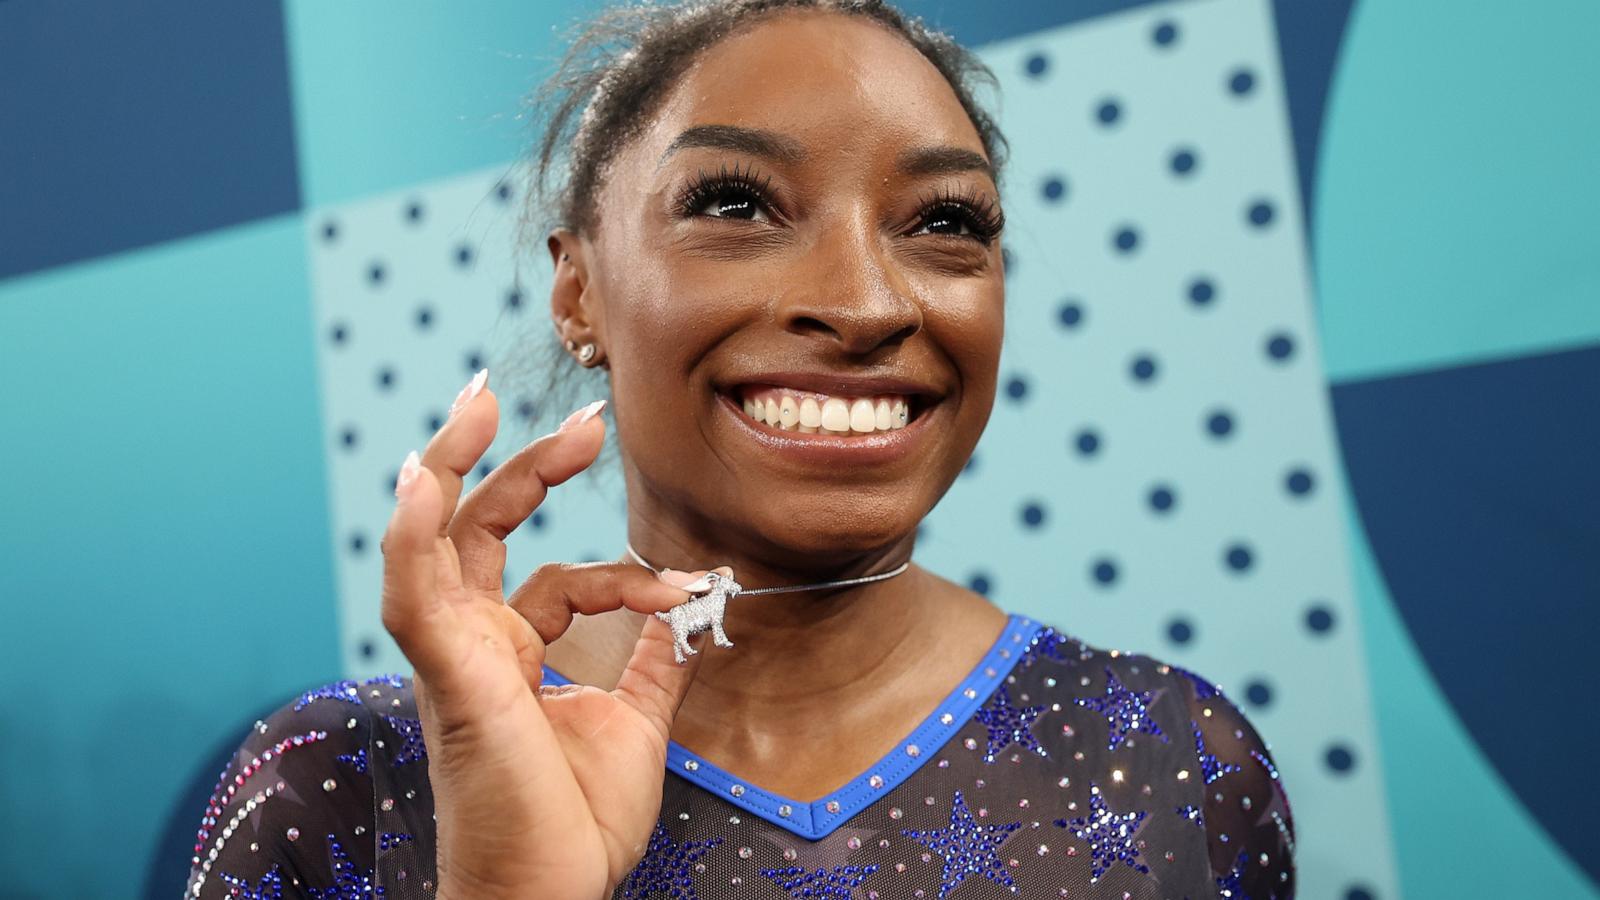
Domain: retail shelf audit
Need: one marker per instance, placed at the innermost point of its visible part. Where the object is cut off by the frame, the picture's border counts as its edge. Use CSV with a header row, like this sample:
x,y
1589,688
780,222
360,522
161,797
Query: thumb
x,y
655,683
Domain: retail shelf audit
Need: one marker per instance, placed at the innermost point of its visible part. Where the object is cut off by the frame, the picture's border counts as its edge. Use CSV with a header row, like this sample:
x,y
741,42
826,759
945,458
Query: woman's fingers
x,y
655,683
414,610
457,446
555,591
510,493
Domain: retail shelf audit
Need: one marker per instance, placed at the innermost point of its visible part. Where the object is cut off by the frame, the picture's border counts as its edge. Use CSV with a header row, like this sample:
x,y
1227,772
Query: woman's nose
x,y
852,295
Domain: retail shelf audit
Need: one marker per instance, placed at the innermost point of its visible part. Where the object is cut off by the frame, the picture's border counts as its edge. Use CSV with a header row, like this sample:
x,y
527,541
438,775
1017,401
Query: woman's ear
x,y
567,311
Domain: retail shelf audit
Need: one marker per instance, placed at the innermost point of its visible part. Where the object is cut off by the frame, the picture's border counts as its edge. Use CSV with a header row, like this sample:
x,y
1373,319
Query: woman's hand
x,y
548,792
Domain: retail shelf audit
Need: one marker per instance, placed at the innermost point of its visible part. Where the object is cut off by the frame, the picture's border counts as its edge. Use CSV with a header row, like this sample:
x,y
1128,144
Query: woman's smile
x,y
831,419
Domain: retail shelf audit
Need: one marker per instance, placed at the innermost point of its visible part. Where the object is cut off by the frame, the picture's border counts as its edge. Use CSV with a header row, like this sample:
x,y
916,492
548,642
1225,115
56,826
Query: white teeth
x,y
750,408
862,418
772,411
835,415
881,415
788,412
900,414
810,414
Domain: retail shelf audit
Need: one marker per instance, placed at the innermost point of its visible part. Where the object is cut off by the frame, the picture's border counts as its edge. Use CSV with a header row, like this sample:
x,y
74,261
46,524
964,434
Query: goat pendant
x,y
699,613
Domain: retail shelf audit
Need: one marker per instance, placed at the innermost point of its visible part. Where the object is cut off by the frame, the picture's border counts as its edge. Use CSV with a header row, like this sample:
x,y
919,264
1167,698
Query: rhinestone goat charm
x,y
699,613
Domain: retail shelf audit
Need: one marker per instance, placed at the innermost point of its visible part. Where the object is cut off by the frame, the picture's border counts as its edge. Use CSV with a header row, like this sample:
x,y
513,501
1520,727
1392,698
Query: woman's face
x,y
808,220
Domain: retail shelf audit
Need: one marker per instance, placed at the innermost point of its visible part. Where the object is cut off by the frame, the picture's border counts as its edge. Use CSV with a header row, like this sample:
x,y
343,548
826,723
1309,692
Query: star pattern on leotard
x,y
411,746
357,759
1203,689
348,882
1007,725
1126,711
1108,834
1229,886
667,867
1193,813
967,848
267,887
1211,767
826,884
1048,644
338,690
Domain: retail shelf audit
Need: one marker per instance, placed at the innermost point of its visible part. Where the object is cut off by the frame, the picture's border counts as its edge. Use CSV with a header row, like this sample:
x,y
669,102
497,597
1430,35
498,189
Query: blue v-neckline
x,y
818,818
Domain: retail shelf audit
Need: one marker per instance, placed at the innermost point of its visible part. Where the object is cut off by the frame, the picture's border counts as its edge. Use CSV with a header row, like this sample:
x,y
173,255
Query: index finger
x,y
513,490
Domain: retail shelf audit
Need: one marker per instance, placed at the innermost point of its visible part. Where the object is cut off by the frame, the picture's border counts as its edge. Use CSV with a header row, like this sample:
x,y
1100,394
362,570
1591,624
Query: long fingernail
x,y
582,415
687,581
468,392
408,475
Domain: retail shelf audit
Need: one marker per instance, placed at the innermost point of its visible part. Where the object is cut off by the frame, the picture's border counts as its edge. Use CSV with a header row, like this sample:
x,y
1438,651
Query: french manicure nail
x,y
468,392
583,415
684,580
408,474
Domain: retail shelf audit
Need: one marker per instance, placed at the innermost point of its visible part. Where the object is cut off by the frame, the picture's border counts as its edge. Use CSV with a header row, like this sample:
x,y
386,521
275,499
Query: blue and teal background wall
x,y
1300,390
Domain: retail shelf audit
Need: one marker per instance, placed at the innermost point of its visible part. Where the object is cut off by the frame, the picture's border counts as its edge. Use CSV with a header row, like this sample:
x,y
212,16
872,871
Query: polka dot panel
x,y
1100,499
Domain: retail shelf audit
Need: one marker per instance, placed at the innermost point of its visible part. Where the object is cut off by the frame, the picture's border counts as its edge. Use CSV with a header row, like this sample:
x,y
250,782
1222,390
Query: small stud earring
x,y
571,345
586,354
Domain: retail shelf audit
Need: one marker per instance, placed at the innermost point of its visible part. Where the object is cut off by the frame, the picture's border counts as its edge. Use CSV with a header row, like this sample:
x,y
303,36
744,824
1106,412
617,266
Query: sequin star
x,y
1009,725
411,746
394,680
348,883
1047,643
1125,711
268,887
834,884
1108,834
1229,886
1203,689
666,867
388,840
1194,814
967,848
339,690
1210,766
357,759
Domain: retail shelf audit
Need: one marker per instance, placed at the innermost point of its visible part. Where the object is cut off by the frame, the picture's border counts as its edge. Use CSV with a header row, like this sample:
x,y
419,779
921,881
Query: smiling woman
x,y
778,243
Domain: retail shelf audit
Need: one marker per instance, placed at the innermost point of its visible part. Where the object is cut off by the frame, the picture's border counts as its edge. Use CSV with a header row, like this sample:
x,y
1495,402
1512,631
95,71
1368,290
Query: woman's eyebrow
x,y
918,161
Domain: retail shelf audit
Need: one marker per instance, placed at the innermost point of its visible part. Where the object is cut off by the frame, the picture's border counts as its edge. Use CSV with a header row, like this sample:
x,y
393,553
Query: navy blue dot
x,y
526,409
1032,514
1164,34
391,481
464,255
358,543
1220,424
1239,557
474,362
1340,759
1242,81
1143,368
979,582
339,333
1161,498
1261,213
970,465
537,520
484,468
1125,239
1088,442
1070,314
414,212
434,422
1104,570
375,273
1280,346
1008,260
1180,631
1037,65
1299,482
1202,291
1053,189
1358,893
349,438
386,378
1319,619
1183,161
514,299
368,649
1017,387
330,231
1108,112
424,317
503,191
1258,693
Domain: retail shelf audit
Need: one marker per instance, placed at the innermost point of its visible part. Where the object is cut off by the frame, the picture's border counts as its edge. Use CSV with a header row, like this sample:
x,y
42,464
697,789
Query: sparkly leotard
x,y
1055,769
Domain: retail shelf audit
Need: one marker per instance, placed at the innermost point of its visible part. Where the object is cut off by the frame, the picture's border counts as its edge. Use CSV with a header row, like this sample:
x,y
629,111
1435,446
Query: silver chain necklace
x,y
712,593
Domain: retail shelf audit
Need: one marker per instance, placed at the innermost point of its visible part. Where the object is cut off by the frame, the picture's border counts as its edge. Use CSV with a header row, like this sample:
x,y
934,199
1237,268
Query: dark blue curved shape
x,y
1479,487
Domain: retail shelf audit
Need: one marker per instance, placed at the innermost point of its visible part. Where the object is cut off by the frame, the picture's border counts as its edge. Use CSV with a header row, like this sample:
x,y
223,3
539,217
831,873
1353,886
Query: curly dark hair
x,y
619,66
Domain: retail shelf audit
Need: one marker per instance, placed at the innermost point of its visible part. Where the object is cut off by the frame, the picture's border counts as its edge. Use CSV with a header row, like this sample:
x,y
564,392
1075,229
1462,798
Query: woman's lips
x,y
827,447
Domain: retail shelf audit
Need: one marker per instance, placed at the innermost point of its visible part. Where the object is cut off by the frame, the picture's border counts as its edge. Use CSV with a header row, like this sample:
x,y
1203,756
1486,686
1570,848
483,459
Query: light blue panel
x,y
391,94
1457,186
166,571
1443,794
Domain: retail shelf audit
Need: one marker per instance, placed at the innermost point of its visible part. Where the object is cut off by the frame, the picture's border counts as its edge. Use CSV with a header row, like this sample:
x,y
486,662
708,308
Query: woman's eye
x,y
731,203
